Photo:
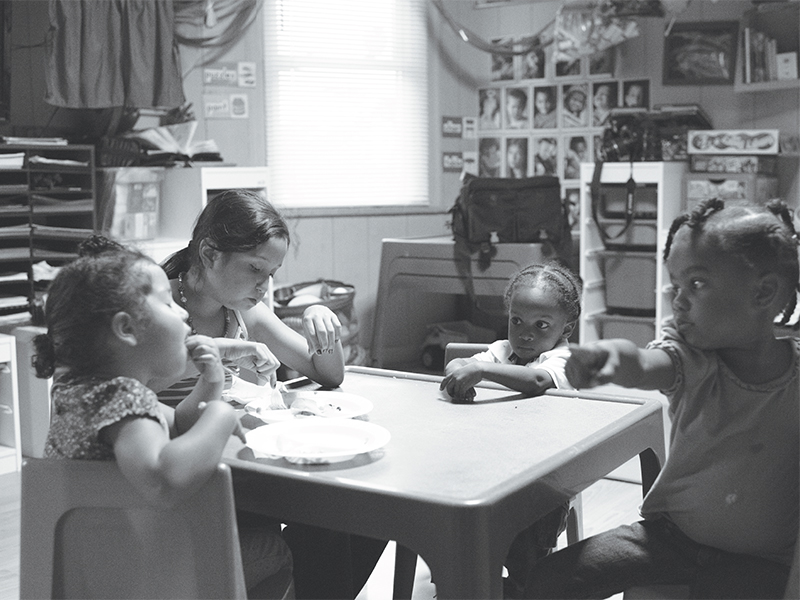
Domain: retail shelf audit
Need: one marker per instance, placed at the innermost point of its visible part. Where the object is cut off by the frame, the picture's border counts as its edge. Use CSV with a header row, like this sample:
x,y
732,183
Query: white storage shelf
x,y
10,446
596,321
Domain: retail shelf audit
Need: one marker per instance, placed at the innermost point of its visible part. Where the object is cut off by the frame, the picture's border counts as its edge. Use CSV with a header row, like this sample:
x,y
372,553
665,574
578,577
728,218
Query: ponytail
x,y
44,358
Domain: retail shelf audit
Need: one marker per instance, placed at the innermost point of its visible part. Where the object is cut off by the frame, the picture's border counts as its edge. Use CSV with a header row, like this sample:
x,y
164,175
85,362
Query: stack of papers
x,y
37,141
13,160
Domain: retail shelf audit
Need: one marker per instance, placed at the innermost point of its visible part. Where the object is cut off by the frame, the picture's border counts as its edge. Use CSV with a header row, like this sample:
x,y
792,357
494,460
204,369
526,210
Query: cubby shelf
x,y
780,21
47,205
597,321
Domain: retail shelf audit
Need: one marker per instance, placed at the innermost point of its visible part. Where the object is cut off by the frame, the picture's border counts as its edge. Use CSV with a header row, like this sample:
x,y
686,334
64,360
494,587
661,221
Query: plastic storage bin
x,y
630,282
129,198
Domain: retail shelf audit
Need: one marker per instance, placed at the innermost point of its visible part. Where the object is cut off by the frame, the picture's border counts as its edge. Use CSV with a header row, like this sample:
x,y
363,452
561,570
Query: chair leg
x,y
575,520
405,566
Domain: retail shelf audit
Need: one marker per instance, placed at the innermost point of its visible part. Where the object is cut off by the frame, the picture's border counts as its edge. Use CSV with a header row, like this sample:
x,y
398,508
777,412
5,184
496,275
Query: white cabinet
x,y
624,292
10,446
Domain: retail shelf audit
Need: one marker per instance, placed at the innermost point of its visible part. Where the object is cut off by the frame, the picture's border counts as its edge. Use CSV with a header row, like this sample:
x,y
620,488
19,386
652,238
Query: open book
x,y
176,139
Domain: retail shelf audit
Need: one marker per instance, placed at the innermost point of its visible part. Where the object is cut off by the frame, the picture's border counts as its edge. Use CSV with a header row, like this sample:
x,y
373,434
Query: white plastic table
x,y
456,482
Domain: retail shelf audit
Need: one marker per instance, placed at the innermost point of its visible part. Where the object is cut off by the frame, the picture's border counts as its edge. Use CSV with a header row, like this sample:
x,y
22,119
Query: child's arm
x,y
620,362
204,353
168,470
462,377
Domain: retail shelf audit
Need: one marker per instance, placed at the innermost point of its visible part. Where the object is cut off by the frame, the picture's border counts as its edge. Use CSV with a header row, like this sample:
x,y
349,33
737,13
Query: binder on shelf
x,y
747,63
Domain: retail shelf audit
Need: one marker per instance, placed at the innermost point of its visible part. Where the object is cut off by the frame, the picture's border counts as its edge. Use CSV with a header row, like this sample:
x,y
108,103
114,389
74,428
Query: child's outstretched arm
x,y
620,362
462,375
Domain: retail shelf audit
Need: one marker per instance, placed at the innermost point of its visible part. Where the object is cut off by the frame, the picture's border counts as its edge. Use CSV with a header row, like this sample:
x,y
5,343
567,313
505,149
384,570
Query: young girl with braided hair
x,y
112,326
543,303
722,517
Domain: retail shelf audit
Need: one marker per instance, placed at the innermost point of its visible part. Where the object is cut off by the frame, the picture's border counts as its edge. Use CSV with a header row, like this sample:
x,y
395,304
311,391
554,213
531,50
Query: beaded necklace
x,y
182,294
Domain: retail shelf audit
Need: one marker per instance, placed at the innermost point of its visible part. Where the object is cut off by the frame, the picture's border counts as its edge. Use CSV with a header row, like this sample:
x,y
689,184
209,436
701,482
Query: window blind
x,y
347,102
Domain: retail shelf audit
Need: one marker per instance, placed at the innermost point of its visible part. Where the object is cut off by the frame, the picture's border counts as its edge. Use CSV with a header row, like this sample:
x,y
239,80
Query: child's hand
x,y
461,382
591,365
204,353
321,328
253,356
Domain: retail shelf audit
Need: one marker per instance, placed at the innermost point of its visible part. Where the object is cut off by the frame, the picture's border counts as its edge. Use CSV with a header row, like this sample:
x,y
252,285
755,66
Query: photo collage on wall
x,y
540,117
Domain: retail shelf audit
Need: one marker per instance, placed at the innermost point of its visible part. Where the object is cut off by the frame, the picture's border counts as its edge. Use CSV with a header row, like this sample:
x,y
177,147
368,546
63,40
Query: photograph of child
x,y
576,151
516,113
572,199
568,68
517,158
545,113
503,65
546,158
604,98
489,108
598,147
532,63
636,93
490,160
602,63
575,110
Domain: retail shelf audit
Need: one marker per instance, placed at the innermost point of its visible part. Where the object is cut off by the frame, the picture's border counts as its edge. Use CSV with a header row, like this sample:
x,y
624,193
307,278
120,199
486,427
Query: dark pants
x,y
330,564
530,546
649,553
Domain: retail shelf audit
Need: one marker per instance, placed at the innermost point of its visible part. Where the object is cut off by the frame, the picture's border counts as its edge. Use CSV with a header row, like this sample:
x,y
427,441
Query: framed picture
x,y
517,113
602,63
572,198
489,108
604,99
701,53
545,107
545,158
636,93
532,63
575,105
502,64
576,151
517,157
490,158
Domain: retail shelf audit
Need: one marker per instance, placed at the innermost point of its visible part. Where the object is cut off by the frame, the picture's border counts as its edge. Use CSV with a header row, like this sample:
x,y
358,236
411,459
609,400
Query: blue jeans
x,y
648,553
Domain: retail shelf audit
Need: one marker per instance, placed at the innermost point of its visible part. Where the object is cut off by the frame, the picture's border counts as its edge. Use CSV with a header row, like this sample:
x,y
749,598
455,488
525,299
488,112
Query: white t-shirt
x,y
553,361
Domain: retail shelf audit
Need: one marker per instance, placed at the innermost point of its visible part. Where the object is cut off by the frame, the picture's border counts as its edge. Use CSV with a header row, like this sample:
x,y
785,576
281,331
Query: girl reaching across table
x,y
112,325
722,517
239,241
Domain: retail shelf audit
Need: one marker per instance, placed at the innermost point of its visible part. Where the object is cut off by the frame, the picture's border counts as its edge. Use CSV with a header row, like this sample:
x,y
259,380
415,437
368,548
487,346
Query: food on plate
x,y
312,406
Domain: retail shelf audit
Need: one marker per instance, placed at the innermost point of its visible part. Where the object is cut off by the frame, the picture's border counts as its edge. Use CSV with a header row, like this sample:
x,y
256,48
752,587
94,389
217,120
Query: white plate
x,y
316,440
327,404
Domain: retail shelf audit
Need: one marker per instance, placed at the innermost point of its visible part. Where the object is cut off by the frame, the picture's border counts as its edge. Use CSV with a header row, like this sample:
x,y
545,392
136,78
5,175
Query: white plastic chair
x,y
87,533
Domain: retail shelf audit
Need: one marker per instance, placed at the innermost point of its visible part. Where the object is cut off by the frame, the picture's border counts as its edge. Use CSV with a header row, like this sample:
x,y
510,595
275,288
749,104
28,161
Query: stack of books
x,y
763,62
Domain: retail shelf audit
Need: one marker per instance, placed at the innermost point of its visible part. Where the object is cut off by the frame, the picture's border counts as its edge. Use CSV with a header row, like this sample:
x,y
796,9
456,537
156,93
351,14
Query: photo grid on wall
x,y
544,117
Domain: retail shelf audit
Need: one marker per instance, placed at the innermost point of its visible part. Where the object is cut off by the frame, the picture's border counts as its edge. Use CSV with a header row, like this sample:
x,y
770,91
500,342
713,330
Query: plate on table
x,y
317,440
310,403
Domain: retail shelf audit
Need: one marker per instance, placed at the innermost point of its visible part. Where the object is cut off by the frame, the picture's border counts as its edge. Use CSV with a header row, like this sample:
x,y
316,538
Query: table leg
x,y
650,463
405,565
465,570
